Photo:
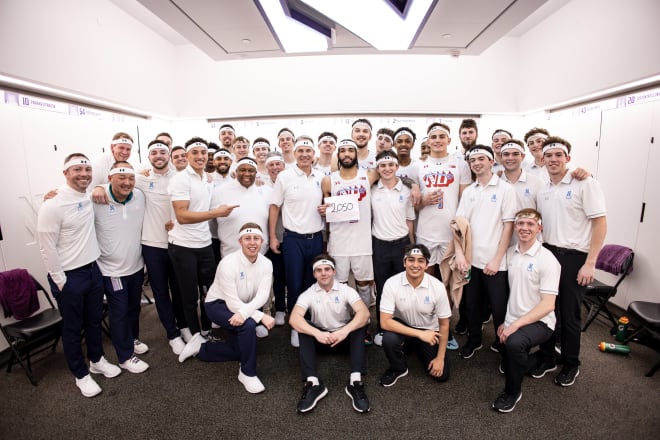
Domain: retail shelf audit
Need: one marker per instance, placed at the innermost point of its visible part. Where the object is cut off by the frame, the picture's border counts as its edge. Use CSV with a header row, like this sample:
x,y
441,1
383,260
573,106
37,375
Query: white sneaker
x,y
186,335
88,386
177,345
280,318
105,368
262,332
294,339
378,339
192,347
135,365
139,347
252,384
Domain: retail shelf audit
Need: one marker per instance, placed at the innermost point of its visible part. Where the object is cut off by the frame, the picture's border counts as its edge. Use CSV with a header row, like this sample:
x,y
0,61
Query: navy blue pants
x,y
124,303
480,291
395,345
279,280
81,305
516,359
387,258
299,250
163,281
242,343
354,343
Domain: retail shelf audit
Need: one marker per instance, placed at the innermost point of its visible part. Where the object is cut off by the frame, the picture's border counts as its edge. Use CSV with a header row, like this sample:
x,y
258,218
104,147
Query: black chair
x,y
617,260
647,316
33,335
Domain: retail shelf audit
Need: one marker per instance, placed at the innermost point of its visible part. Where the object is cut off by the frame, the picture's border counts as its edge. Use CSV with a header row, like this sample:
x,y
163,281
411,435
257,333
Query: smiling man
x,y
120,150
404,141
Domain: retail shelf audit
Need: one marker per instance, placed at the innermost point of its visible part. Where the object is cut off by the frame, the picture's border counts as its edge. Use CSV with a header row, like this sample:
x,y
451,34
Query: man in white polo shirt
x,y
526,185
534,139
119,233
489,204
530,319
415,311
190,239
69,249
337,320
241,287
275,165
120,150
297,192
575,226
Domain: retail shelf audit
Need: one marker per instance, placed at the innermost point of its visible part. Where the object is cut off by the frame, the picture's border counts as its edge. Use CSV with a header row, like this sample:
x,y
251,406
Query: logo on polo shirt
x,y
80,206
527,192
427,299
242,275
400,199
336,299
493,198
151,185
530,267
569,194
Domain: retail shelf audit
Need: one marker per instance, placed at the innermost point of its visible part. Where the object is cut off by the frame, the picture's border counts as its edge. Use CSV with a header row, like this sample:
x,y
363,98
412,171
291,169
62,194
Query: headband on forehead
x,y
254,231
321,263
274,158
438,128
285,132
328,138
536,136
303,143
475,151
226,128
402,133
197,145
76,161
347,143
260,144
121,170
361,125
222,153
414,251
385,135
501,132
554,145
528,215
121,140
387,159
512,146
212,150
158,146
247,161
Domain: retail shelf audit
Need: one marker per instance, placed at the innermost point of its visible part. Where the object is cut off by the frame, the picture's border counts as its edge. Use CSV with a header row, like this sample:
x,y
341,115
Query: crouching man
x,y
337,318
241,287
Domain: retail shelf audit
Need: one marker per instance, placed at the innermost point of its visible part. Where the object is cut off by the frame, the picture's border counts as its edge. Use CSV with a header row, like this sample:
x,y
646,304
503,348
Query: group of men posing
x,y
219,230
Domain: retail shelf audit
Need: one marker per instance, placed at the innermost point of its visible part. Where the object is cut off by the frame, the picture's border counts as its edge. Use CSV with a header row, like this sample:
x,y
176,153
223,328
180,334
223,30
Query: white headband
x,y
536,136
121,170
303,143
385,135
195,145
414,251
553,145
347,143
212,150
285,132
328,138
322,262
532,216
225,128
76,161
247,161
158,146
475,151
501,132
512,146
386,159
438,128
402,133
273,159
260,144
122,140
222,153
361,125
254,231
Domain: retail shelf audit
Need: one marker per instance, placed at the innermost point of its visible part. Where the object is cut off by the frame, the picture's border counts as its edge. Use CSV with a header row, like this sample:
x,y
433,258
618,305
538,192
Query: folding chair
x,y
37,333
617,260
647,314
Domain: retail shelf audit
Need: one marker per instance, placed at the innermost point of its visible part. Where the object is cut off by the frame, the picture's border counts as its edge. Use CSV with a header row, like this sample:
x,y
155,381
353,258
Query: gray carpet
x,y
610,399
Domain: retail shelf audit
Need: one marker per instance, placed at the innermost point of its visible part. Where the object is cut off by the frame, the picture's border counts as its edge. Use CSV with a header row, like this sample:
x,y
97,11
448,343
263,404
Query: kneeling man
x,y
337,318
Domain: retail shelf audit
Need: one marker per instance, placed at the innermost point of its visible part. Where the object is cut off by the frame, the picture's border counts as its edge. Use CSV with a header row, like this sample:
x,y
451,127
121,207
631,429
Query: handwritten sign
x,y
342,208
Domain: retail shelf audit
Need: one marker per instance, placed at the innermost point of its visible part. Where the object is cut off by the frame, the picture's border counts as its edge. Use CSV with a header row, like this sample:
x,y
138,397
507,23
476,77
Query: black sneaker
x,y
567,376
390,377
506,402
460,329
311,394
358,397
469,349
542,368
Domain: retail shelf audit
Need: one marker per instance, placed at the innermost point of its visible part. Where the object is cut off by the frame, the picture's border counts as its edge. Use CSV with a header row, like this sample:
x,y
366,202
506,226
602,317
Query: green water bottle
x,y
622,329
613,348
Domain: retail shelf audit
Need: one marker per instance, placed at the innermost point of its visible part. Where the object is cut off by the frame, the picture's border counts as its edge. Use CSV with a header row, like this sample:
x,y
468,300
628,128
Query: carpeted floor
x,y
611,398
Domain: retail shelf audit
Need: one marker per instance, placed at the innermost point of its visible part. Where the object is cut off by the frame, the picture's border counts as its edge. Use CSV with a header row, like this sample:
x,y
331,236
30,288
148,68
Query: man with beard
x,y
223,161
361,135
210,166
226,135
467,133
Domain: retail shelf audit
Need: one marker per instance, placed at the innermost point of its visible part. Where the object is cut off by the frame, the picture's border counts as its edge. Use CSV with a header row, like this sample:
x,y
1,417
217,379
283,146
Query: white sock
x,y
314,380
355,377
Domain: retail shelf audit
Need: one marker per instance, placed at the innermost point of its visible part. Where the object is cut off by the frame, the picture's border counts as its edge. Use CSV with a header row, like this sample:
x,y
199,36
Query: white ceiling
x,y
235,29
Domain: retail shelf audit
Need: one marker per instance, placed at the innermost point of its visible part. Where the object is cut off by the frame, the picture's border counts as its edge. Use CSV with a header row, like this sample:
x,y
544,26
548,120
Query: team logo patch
x,y
360,191
527,192
151,185
530,267
493,198
242,275
569,194
80,206
427,299
438,179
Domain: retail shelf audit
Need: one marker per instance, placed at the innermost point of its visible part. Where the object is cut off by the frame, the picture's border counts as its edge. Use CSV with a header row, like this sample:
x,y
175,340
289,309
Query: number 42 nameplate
x,y
342,208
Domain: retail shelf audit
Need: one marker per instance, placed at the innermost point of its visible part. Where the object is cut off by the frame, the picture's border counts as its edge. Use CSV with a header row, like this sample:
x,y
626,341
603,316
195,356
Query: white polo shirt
x,y
531,274
419,307
568,208
487,208
66,233
254,205
119,233
539,171
331,310
299,196
390,208
158,207
195,189
526,188
243,285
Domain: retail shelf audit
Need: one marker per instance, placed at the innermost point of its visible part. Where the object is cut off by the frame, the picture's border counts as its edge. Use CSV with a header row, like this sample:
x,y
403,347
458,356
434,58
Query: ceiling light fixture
x,y
293,36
